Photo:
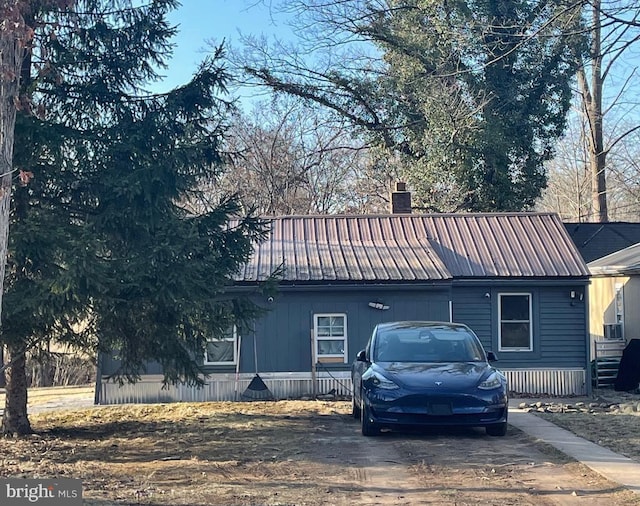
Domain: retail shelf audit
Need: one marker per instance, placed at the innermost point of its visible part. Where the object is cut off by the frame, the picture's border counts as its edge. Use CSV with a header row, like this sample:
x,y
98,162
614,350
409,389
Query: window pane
x,y
330,347
330,326
515,335
324,321
515,307
337,331
337,326
219,351
619,303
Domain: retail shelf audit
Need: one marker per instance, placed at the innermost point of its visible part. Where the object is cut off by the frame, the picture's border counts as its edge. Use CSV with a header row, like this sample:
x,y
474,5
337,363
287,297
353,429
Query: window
x,y
616,330
330,331
222,350
619,304
515,333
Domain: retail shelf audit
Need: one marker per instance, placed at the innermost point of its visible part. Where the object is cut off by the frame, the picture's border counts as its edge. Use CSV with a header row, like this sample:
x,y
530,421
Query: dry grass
x,y
618,431
40,396
202,453
292,452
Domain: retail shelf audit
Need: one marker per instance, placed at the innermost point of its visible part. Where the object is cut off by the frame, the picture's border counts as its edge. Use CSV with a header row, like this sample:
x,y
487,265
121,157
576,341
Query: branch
x,y
621,137
633,22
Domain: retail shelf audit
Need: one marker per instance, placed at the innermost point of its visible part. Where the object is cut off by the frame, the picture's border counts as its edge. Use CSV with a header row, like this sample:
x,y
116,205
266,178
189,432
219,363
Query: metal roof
x,y
413,247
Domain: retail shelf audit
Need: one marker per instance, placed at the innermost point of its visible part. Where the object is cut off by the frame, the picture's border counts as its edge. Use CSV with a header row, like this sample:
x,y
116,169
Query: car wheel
x,y
369,428
355,409
499,429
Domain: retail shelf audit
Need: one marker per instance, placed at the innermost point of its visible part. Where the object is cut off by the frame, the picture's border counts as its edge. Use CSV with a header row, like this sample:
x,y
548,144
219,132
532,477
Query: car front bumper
x,y
392,408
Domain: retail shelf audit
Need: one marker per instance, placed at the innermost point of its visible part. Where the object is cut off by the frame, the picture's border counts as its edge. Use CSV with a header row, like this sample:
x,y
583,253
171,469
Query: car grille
x,y
456,400
439,410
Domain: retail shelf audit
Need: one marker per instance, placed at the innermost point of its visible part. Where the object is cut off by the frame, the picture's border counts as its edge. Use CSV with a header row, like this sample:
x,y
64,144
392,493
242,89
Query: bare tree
x,y
569,188
623,188
614,32
292,158
569,192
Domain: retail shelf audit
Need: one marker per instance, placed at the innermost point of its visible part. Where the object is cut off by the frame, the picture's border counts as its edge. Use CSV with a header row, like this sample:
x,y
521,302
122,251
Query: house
x,y
596,240
615,292
517,279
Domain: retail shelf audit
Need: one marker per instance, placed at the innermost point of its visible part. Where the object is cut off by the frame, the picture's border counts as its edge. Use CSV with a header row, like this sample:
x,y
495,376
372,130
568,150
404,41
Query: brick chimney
x,y
401,199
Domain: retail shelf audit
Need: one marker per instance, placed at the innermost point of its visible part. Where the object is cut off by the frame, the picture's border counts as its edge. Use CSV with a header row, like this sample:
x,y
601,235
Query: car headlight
x,y
378,380
493,381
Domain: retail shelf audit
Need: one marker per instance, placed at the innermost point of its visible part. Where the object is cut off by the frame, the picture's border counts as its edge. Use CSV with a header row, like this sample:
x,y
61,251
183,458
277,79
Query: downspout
x,y
314,359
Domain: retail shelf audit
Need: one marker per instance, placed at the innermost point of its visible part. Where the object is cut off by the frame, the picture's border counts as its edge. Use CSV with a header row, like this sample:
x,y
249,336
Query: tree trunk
x,y
597,163
2,382
15,419
13,40
591,91
12,48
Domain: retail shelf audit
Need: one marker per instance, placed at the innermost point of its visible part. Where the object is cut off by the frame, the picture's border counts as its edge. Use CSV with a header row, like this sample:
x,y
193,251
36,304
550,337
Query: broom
x,y
257,390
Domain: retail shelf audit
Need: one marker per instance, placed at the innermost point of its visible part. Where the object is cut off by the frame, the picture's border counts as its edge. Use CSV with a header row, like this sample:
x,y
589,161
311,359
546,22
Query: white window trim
x,y
317,338
233,339
529,321
618,305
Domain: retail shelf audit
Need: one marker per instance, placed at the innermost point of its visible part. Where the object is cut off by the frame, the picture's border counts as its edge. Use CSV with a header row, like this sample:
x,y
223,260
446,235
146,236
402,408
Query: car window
x,y
433,344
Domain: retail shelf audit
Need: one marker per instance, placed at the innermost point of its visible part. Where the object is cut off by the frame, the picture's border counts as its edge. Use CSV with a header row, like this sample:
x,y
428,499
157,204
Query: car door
x,y
358,369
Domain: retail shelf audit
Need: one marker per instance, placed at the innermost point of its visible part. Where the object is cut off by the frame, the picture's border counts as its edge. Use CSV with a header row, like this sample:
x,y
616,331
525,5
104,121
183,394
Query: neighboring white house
x,y
614,296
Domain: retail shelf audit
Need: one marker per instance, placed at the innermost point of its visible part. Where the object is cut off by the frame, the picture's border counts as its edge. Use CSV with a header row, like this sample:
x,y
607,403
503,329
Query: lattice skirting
x,y
226,387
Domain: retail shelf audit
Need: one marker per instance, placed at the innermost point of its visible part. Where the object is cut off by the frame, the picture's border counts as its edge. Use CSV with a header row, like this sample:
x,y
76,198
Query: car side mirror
x,y
362,356
491,356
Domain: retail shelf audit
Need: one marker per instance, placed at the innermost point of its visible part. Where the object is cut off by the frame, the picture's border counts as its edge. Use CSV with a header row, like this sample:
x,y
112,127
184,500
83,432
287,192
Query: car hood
x,y
444,376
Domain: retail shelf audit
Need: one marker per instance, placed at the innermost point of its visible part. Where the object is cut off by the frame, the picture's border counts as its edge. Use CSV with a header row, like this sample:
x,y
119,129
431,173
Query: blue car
x,y
427,374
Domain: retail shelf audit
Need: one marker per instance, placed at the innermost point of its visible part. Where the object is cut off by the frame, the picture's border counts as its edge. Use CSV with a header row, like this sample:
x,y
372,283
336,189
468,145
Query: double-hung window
x,y
330,331
515,332
222,350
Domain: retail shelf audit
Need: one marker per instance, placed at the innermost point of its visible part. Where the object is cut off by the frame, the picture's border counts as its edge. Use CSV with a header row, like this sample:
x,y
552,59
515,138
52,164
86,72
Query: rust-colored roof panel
x,y
428,247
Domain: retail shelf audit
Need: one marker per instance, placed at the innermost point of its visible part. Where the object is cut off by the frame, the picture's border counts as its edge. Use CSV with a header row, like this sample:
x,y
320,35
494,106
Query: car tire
x,y
355,409
499,429
369,428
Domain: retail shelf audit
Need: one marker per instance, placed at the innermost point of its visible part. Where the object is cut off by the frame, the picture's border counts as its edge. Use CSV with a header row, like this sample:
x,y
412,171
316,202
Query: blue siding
x,y
563,329
284,336
109,364
471,307
559,324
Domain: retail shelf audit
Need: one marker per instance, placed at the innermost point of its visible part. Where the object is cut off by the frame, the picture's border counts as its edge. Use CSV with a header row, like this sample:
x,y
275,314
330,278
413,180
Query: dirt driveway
x,y
290,453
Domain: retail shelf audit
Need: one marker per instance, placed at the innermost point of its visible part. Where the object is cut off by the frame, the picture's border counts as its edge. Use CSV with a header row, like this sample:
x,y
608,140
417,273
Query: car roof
x,y
418,324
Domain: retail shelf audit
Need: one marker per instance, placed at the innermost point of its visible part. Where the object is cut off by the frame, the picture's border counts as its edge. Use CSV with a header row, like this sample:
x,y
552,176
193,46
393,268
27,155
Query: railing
x,y
606,361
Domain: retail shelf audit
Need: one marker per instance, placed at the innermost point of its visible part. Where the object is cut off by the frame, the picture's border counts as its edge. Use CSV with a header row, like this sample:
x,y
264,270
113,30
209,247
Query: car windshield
x,y
427,344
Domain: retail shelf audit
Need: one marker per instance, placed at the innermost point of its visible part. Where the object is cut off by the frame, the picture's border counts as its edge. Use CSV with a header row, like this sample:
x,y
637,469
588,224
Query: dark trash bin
x,y
628,377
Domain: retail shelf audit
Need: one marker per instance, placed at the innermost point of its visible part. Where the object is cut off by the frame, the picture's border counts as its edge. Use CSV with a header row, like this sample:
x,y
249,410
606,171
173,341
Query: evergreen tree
x,y
103,253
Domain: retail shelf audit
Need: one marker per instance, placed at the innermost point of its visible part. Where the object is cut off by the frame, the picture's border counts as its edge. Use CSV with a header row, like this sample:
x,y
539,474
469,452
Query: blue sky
x,y
203,20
